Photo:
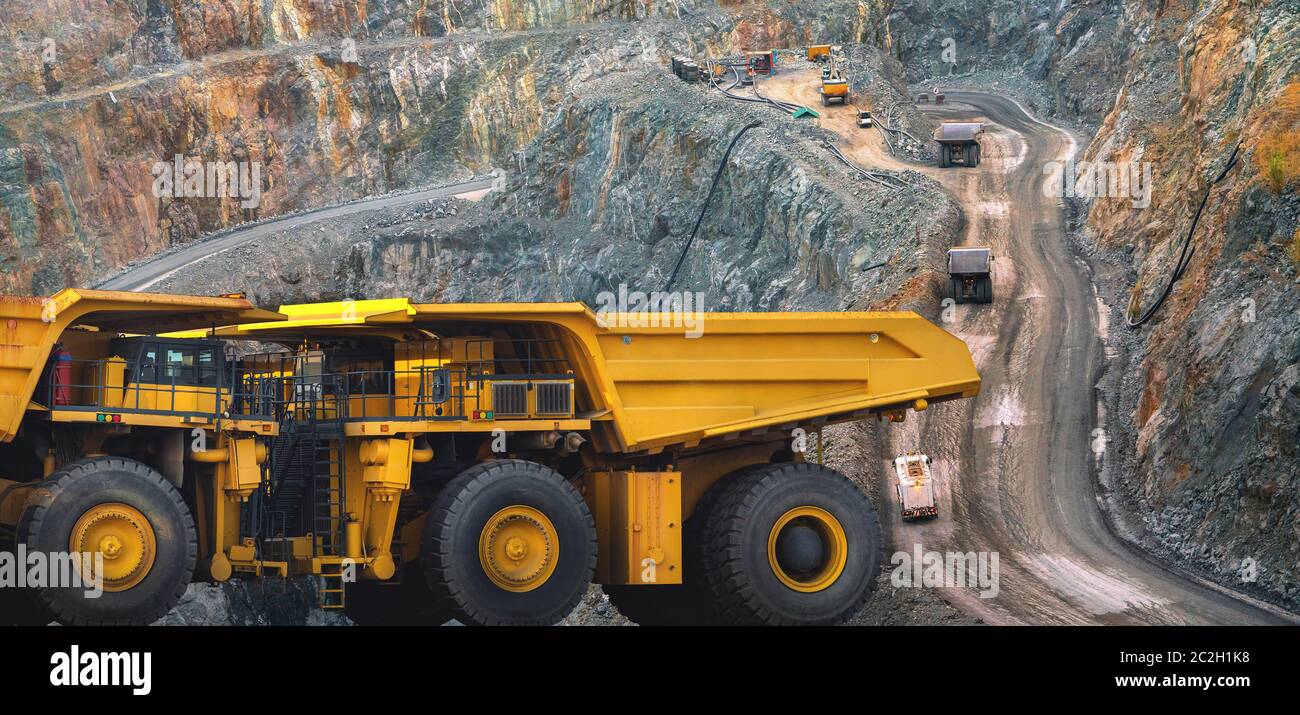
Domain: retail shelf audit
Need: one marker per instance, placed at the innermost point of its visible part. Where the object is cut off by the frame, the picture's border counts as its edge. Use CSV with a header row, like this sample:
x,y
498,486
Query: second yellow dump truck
x,y
483,462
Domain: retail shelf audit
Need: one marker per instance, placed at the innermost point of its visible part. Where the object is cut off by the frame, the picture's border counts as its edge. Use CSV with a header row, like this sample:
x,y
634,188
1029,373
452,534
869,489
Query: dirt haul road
x,y
145,275
1016,467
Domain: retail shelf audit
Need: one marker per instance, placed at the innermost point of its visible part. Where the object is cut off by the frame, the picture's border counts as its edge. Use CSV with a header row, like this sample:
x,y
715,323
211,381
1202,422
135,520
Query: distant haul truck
x,y
969,274
915,486
427,461
835,90
819,53
959,143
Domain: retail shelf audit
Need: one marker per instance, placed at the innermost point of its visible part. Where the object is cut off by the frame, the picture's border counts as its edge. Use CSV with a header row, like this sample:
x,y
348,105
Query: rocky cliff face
x,y
314,104
607,195
1206,408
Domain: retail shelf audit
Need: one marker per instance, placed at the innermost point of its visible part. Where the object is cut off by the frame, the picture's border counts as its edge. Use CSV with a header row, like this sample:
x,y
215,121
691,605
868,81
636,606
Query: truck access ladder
x,y
307,478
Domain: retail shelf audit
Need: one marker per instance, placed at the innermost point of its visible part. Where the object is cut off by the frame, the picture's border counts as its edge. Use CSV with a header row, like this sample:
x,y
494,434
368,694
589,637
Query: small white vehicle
x,y
915,486
864,118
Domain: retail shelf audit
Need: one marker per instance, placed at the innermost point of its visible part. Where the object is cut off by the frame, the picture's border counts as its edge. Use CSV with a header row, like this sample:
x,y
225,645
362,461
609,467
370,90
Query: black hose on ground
x,y
1185,254
707,200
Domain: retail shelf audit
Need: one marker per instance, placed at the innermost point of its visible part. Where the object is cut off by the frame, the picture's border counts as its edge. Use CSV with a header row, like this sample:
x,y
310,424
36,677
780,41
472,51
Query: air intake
x,y
510,399
554,398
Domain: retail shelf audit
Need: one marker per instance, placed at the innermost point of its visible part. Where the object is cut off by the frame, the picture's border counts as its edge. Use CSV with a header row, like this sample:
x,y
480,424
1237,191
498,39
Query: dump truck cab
x,y
484,462
914,485
959,143
969,274
69,357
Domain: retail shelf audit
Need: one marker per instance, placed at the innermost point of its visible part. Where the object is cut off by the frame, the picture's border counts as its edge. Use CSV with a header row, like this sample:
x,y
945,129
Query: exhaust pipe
x,y
571,443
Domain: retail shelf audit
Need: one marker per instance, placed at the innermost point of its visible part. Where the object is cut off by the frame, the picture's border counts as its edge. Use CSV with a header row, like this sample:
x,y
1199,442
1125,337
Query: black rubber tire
x,y
986,289
410,603
745,589
945,153
456,520
687,604
954,288
57,505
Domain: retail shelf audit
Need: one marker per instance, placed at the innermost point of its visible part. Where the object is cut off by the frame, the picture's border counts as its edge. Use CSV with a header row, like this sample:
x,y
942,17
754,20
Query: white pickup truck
x,y
915,486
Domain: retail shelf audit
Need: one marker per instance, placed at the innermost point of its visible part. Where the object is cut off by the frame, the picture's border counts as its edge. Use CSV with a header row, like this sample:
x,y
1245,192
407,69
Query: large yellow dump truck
x,y
484,462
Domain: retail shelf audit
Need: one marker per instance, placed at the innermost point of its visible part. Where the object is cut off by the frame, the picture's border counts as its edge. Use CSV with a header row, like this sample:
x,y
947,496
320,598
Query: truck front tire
x,y
133,517
791,544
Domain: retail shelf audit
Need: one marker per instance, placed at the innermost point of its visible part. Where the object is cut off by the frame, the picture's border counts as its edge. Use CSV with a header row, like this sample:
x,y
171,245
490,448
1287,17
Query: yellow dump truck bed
x,y
835,87
766,370
646,384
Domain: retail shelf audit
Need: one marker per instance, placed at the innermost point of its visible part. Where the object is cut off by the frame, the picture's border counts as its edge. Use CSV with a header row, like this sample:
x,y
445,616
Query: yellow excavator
x,y
424,462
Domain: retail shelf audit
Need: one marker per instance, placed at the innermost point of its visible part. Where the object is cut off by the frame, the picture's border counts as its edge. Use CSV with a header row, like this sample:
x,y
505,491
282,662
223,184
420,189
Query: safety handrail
x,y
421,393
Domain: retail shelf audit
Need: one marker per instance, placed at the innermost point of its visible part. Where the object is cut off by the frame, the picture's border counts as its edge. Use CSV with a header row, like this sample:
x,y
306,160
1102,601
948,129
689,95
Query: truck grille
x,y
510,398
554,398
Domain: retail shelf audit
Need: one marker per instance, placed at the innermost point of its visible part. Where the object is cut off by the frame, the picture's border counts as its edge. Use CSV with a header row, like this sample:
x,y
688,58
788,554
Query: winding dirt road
x,y
1015,466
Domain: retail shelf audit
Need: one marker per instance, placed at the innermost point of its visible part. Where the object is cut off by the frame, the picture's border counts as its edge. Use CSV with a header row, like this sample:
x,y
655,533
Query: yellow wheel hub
x,y
125,539
518,548
816,569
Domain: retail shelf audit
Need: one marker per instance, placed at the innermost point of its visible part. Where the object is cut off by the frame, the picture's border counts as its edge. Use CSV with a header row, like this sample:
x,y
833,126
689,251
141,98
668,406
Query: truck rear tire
x,y
509,542
985,288
410,603
128,512
945,153
791,544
